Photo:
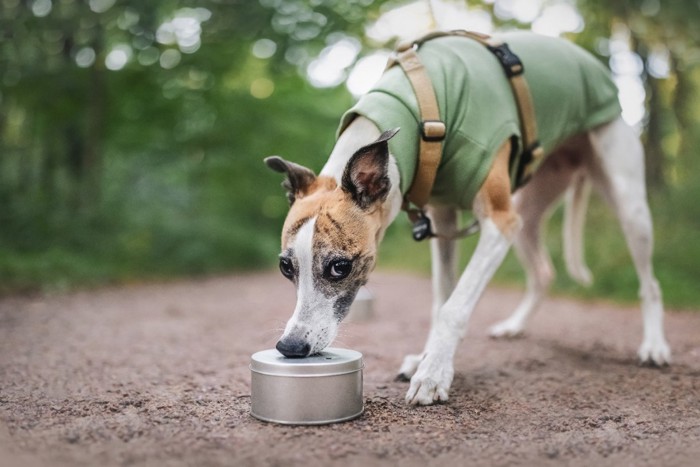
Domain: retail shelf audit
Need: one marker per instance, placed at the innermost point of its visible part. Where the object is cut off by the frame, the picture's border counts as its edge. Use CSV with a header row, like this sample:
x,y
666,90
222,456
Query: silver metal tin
x,y
323,388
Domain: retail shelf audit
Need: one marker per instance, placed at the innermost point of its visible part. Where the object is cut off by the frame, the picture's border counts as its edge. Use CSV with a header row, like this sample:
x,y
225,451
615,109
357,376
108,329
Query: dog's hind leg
x,y
444,253
534,202
619,175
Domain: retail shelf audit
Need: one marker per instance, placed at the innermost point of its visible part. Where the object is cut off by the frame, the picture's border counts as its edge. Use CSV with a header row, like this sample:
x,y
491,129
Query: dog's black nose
x,y
293,348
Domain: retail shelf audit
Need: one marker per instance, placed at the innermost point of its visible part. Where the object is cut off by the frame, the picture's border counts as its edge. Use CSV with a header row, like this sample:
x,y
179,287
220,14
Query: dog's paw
x,y
409,367
431,382
507,328
655,352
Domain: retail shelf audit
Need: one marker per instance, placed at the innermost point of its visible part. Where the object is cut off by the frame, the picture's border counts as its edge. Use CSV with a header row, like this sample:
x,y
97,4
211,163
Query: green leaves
x,y
132,133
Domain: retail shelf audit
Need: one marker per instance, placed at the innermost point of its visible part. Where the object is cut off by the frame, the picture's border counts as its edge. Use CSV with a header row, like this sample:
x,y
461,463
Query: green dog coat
x,y
571,90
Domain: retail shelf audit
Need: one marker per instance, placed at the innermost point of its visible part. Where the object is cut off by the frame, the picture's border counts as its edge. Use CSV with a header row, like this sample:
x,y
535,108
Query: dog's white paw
x,y
655,351
409,366
506,328
431,382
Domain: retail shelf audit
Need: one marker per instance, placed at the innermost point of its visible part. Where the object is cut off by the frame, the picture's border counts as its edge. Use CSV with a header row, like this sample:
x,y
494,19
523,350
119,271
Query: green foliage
x,y
152,170
191,208
155,169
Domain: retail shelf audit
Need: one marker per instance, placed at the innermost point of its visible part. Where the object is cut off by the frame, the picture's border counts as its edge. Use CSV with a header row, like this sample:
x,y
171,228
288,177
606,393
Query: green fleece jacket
x,y
571,90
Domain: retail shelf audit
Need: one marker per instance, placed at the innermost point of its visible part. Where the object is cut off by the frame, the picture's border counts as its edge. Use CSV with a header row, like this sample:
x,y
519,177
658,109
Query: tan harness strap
x,y
432,129
528,125
532,151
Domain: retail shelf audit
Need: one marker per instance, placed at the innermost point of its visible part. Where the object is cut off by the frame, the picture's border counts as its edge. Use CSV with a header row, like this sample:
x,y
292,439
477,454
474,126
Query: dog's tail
x,y
576,203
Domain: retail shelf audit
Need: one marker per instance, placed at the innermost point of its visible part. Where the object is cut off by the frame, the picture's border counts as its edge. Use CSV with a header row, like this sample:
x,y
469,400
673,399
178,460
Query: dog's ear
x,y
298,177
366,176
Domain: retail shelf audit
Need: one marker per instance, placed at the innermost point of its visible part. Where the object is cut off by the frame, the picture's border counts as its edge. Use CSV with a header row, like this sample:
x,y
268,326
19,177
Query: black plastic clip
x,y
511,63
528,157
422,228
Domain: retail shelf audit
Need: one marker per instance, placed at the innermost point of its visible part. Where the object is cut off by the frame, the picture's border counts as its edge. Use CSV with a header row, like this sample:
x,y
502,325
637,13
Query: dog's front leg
x,y
444,253
499,224
433,378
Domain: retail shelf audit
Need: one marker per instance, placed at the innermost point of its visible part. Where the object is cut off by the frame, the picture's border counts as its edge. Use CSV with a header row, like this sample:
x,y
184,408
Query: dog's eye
x,y
287,268
338,270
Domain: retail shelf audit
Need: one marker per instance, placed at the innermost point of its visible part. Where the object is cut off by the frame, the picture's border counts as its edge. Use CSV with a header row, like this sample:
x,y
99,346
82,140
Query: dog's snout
x,y
293,348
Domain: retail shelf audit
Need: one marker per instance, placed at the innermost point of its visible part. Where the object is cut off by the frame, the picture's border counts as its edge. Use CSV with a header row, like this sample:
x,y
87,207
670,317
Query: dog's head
x,y
329,242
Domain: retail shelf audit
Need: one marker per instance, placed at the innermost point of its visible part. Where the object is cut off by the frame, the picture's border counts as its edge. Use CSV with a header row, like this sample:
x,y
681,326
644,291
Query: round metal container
x,y
322,388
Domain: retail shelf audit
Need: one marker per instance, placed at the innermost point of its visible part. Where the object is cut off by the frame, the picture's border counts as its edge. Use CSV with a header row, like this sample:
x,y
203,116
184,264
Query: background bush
x,y
155,169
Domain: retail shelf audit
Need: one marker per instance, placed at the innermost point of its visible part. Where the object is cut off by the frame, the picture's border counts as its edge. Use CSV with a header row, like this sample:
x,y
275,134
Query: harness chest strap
x,y
532,153
433,130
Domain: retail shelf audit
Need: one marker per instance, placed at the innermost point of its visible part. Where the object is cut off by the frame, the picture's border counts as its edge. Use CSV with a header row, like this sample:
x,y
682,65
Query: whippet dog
x,y
337,219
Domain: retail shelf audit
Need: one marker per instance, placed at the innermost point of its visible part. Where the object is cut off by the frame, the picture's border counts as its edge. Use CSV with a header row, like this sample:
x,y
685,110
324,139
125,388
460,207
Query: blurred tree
x,y
132,133
61,60
661,28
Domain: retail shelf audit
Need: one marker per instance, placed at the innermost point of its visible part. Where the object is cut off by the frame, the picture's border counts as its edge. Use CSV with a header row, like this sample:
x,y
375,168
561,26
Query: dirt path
x,y
158,375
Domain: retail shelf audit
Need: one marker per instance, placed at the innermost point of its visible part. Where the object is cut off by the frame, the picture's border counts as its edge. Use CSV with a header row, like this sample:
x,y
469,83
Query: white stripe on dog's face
x,y
313,322
303,249
328,250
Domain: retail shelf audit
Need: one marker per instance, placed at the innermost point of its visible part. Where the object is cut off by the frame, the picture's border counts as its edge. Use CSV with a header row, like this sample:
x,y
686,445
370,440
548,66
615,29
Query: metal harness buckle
x,y
432,130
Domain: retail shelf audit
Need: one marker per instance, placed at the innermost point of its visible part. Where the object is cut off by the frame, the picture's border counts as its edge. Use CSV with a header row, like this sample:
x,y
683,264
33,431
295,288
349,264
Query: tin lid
x,y
331,361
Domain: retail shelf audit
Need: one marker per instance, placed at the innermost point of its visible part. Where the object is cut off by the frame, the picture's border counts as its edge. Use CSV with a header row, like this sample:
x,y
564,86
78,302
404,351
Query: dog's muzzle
x,y
293,347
